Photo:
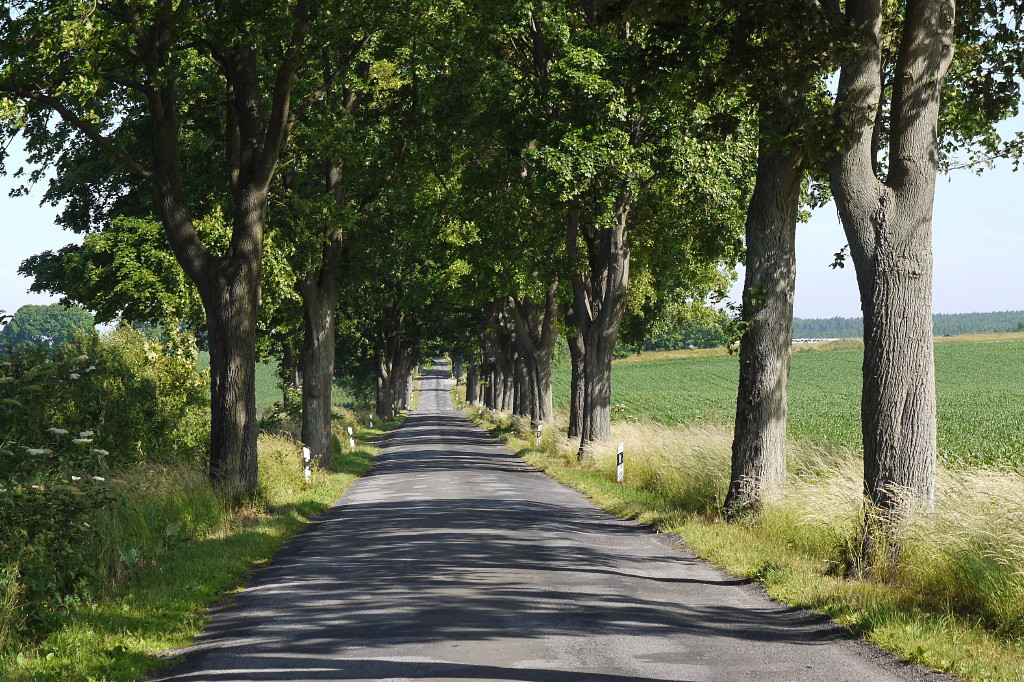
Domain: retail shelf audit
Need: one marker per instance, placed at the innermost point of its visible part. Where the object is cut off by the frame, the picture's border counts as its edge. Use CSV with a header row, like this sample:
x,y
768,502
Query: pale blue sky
x,y
978,244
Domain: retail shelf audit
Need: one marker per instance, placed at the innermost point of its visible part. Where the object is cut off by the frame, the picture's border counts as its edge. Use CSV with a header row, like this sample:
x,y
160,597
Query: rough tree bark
x,y
522,386
473,382
599,300
577,389
390,356
319,303
888,225
538,336
759,441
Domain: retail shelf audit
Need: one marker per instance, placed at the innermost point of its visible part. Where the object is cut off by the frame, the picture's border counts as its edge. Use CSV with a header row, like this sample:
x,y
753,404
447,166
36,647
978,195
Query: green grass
x,y
161,604
267,390
978,383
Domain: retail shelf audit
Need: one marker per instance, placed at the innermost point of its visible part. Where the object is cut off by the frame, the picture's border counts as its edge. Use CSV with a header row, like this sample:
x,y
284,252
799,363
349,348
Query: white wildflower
x,y
37,487
99,451
81,358
82,441
91,368
86,434
74,376
98,478
76,478
39,451
57,432
6,380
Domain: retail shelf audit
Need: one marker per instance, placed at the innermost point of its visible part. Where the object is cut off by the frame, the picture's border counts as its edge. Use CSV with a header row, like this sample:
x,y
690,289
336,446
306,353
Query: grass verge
x,y
955,602
158,590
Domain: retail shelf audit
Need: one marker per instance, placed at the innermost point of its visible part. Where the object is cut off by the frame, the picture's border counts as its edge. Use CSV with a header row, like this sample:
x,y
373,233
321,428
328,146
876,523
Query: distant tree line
x,y
944,325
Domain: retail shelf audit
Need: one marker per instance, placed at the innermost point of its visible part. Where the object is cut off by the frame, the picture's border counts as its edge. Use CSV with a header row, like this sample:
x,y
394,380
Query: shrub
x,y
101,402
45,528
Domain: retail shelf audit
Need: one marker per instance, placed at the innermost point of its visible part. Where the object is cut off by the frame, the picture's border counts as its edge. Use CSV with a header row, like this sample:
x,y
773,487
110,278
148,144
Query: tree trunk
x,y
888,225
473,383
524,379
290,371
403,385
597,384
578,387
599,301
759,440
385,398
231,319
319,303
537,342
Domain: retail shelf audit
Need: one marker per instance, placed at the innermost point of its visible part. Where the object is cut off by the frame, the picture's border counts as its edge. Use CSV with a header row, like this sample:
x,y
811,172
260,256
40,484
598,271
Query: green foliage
x,y
43,529
690,334
101,402
49,325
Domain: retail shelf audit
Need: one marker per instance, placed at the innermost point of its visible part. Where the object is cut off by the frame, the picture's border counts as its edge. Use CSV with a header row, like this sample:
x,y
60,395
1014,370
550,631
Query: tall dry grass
x,y
965,556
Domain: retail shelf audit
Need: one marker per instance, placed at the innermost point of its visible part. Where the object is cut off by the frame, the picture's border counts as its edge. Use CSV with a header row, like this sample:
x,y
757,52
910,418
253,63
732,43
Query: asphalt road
x,y
454,560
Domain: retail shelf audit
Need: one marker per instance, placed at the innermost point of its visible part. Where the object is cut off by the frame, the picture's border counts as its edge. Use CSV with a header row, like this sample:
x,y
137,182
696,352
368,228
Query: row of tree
x,y
379,181
943,324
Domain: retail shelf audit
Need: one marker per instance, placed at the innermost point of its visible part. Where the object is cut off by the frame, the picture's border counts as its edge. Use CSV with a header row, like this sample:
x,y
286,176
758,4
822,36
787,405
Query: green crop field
x,y
980,388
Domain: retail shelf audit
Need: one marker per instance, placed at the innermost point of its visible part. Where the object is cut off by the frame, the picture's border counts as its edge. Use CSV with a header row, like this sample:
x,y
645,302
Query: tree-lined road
x,y
454,560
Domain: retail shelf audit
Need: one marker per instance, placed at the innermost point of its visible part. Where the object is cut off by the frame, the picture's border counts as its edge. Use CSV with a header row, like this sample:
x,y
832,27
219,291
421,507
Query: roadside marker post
x,y
371,421
305,458
351,440
540,429
619,467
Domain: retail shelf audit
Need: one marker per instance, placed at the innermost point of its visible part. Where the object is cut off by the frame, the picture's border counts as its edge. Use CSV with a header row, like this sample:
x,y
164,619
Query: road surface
x,y
454,560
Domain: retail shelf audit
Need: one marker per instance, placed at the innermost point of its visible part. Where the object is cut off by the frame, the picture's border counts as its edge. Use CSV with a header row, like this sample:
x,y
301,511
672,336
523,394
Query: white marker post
x,y
305,458
351,440
540,429
619,467
371,421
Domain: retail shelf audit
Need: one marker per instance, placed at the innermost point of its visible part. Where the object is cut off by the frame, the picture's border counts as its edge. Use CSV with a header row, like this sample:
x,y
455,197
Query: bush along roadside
x,y
151,547
955,601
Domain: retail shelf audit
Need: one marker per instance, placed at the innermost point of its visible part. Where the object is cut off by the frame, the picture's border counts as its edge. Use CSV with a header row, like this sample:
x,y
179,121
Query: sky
x,y
978,244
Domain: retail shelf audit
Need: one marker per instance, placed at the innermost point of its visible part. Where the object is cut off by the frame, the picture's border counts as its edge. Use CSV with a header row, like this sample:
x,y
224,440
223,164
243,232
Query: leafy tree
x,y
575,138
228,77
889,96
49,325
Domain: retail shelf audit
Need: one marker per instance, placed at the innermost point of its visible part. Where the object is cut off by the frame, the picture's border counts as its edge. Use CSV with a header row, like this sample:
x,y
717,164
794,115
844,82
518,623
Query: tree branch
x,y
83,126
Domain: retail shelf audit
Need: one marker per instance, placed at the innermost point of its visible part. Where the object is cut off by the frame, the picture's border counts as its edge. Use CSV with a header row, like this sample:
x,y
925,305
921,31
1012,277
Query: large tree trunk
x,y
888,225
578,387
599,301
231,320
597,384
319,302
759,440
473,382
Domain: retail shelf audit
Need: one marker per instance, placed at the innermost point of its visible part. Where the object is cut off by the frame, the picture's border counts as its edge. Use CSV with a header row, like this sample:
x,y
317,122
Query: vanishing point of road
x,y
454,560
